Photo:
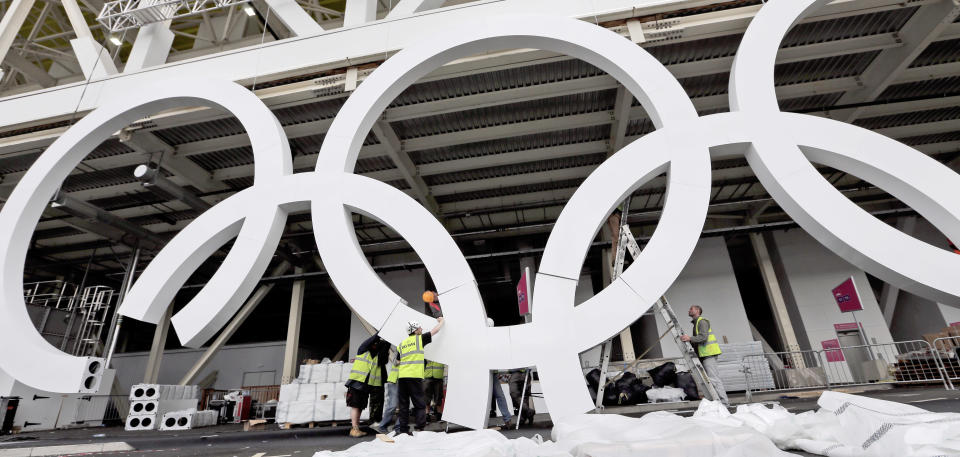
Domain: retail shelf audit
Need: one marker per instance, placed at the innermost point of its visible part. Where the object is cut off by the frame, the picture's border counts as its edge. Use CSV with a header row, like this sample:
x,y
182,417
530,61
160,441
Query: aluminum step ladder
x,y
626,242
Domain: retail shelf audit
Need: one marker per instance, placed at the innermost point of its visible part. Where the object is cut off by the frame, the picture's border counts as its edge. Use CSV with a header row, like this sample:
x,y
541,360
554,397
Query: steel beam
x,y
30,70
774,292
928,23
10,25
293,329
394,148
156,348
359,12
408,7
234,325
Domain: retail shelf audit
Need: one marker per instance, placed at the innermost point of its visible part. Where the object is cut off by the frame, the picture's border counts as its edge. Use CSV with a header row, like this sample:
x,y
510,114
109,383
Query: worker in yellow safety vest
x,y
708,349
411,366
433,388
366,381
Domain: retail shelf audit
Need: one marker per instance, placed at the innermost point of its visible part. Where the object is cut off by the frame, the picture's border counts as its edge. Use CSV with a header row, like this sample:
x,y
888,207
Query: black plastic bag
x,y
664,375
627,380
685,381
593,379
639,393
611,395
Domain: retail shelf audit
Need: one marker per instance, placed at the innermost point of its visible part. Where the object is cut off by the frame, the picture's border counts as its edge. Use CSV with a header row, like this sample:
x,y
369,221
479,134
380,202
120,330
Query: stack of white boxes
x,y
317,395
149,403
731,367
188,419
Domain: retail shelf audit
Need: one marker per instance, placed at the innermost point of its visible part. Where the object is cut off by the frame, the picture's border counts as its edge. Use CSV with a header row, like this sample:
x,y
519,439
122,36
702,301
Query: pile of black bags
x,y
629,390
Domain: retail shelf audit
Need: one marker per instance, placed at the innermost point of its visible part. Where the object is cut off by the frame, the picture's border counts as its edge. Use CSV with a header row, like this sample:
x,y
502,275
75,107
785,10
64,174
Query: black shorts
x,y
357,398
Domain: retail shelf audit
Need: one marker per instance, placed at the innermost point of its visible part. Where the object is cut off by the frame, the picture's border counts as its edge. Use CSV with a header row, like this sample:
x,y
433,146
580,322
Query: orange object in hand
x,y
429,297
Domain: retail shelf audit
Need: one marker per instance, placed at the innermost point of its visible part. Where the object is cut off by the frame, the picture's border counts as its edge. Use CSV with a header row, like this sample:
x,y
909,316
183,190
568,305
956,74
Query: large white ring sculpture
x,y
780,146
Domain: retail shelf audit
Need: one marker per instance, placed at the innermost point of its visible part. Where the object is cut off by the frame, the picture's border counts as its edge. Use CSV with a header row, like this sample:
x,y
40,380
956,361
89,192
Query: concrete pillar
x,y
774,293
293,329
156,349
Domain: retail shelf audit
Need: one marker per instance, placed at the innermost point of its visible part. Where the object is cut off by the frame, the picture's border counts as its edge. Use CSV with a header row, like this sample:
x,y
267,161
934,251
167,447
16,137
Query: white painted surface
x,y
708,281
47,410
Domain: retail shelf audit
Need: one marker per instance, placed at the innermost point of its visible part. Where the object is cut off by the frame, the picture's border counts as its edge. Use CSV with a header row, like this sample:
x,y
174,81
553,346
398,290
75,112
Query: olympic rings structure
x,y
779,147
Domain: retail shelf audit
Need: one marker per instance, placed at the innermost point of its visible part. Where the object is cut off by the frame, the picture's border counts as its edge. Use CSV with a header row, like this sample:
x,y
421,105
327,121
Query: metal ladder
x,y
94,308
626,242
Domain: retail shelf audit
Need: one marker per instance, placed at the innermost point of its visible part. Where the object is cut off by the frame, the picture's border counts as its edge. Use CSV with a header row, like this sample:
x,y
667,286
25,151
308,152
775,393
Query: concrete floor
x,y
231,441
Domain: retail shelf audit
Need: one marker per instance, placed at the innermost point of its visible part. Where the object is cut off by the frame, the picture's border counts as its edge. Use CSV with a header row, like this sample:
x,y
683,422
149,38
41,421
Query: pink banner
x,y
522,296
847,297
832,356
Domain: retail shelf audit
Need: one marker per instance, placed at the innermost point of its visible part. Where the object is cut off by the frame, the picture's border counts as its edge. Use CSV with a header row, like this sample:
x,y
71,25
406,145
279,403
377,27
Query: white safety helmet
x,y
412,327
489,322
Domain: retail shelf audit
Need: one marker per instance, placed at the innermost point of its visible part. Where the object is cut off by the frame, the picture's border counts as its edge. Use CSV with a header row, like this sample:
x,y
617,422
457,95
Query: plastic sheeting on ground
x,y
845,425
848,425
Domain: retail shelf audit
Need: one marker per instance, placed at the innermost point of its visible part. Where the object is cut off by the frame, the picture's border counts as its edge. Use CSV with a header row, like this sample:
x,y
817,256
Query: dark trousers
x,y
517,391
410,389
433,392
376,404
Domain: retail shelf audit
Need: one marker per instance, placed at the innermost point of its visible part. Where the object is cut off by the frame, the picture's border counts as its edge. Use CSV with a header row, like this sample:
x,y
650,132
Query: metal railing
x,y
902,362
948,356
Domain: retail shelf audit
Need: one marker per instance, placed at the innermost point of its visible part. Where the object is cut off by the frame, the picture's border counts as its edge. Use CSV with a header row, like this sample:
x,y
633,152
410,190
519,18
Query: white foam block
x,y
289,392
340,391
318,373
323,410
326,391
345,372
307,392
300,412
334,372
341,411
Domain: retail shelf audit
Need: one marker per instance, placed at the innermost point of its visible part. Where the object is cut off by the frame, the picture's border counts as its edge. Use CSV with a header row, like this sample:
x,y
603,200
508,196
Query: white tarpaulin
x,y
845,425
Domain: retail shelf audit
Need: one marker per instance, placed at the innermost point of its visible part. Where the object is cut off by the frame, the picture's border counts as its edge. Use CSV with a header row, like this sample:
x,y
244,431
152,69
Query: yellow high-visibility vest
x,y
411,357
433,370
710,347
394,374
365,370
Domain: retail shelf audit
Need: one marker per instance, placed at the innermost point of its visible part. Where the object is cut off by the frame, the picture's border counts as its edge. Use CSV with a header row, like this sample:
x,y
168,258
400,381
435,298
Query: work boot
x,y
356,433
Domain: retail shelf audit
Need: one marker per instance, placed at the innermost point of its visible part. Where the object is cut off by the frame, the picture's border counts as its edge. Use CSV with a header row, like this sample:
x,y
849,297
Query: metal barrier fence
x,y
903,362
948,355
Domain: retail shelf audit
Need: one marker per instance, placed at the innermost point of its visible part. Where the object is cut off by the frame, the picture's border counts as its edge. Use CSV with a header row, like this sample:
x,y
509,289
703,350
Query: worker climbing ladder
x,y
626,242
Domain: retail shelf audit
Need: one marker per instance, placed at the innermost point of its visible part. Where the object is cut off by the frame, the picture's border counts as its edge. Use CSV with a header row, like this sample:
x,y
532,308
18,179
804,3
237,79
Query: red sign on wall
x,y
847,297
832,355
846,327
523,296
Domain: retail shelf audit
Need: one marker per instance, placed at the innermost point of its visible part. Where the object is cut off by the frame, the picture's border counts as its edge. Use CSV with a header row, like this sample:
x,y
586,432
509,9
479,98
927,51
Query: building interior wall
x,y
708,280
812,272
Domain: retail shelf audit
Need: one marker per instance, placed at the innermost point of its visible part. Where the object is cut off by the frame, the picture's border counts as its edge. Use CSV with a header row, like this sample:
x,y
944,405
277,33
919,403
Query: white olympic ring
x,y
779,147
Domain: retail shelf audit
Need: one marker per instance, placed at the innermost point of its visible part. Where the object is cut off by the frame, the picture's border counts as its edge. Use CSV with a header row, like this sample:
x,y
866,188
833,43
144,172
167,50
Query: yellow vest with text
x,y
365,370
411,363
709,347
433,370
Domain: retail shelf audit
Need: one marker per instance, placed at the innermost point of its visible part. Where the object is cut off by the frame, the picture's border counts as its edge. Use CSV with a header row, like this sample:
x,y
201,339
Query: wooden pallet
x,y
288,425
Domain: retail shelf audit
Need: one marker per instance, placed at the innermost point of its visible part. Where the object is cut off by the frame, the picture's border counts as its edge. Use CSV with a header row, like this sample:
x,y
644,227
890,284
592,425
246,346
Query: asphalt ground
x,y
231,441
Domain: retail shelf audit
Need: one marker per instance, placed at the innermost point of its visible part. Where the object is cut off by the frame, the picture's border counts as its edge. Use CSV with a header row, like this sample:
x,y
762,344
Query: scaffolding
x,y
120,15
55,294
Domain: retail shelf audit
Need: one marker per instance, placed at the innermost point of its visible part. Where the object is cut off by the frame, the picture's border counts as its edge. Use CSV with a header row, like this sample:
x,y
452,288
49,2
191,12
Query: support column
x,y
151,48
10,25
293,329
234,325
774,293
156,349
94,59
890,293
531,263
359,12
